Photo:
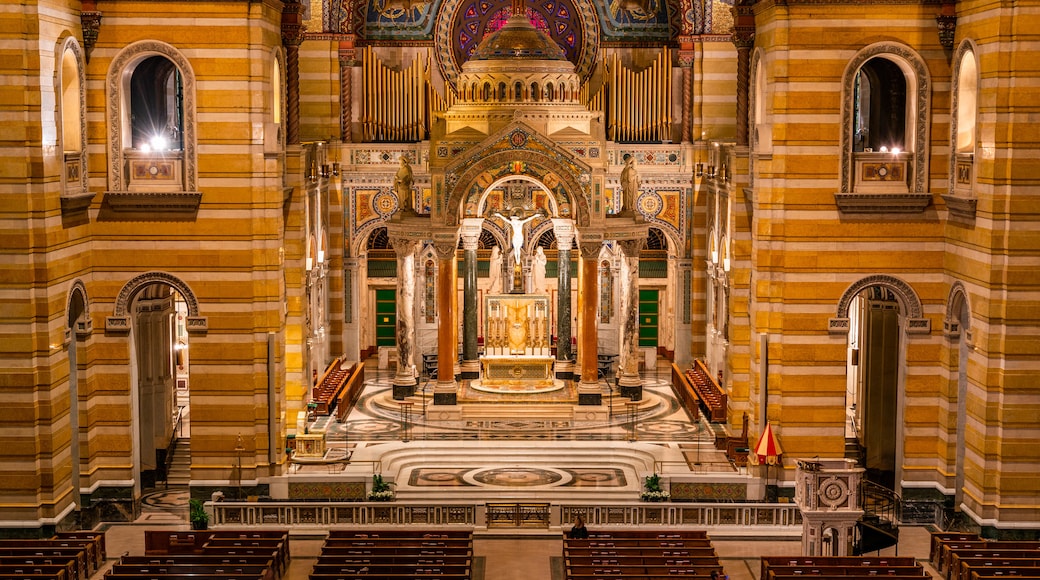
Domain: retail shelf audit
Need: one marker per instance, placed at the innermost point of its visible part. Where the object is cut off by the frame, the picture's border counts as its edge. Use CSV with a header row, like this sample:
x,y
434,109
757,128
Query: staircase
x,y
879,527
180,465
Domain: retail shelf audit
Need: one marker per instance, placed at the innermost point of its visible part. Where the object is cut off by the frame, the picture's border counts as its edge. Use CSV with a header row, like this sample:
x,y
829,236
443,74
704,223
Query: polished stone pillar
x,y
629,383
445,391
589,392
564,231
470,237
404,380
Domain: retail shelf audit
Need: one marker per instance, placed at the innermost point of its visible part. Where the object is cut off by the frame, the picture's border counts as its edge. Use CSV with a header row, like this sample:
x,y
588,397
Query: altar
x,y
517,345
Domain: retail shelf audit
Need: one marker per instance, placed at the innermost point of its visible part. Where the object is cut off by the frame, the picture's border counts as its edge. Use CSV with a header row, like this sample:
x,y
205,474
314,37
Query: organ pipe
x,y
398,105
639,103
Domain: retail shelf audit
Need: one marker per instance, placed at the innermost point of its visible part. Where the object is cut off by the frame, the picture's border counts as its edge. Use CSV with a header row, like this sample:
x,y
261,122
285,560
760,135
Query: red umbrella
x,y
768,450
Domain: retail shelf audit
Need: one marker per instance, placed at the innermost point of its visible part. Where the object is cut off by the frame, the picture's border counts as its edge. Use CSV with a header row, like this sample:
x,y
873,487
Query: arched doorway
x,y
876,309
160,357
872,387
159,313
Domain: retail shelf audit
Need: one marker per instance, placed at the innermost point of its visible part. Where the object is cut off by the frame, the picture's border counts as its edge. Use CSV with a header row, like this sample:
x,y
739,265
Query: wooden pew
x,y
417,535
97,541
69,564
947,549
967,565
79,554
846,571
259,572
91,556
53,571
684,391
778,563
953,557
273,546
939,538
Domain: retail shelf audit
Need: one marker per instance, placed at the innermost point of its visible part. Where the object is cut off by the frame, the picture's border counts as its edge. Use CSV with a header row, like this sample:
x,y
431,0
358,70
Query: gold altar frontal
x,y
517,374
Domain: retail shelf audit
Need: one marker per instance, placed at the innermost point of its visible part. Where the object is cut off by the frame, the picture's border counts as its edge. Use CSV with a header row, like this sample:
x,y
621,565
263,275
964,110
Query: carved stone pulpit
x,y
827,493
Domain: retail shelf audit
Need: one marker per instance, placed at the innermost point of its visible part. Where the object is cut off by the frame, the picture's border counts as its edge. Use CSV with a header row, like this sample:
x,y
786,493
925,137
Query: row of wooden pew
x,y
66,556
395,554
845,567
647,555
710,394
259,554
961,556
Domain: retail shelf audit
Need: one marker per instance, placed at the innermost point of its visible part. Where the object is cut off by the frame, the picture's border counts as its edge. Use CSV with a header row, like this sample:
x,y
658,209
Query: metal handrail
x,y
171,447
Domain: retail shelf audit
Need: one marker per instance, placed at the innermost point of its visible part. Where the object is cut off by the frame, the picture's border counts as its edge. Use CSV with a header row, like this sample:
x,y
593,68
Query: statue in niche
x,y
630,183
403,186
495,271
538,271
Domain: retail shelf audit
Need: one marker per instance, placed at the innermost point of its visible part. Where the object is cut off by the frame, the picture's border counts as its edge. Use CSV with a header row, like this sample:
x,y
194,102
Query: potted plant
x,y
380,489
197,515
652,489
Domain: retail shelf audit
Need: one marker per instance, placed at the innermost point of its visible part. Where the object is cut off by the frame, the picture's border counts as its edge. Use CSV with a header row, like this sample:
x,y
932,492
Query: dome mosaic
x,y
518,39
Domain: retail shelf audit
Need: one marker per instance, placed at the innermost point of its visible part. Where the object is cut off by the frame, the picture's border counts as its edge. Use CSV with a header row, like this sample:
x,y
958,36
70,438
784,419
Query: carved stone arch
x,y
69,43
120,319
957,299
909,302
918,80
116,86
82,325
460,184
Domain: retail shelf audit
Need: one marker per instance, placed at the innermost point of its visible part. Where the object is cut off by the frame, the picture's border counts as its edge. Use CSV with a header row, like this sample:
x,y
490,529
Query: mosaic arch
x,y
469,186
907,297
462,24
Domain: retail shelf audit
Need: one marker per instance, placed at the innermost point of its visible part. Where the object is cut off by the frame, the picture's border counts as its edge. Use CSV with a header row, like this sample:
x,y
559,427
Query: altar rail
x,y
773,519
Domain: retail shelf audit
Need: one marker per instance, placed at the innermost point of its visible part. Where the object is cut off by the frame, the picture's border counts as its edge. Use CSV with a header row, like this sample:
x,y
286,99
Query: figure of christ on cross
x,y
516,226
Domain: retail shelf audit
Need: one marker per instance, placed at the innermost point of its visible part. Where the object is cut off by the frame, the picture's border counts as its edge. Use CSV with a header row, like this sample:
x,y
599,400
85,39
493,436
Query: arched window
x,y
967,103
563,92
71,110
964,117
879,115
536,93
518,91
501,91
277,90
72,125
156,106
550,92
885,92
485,95
151,122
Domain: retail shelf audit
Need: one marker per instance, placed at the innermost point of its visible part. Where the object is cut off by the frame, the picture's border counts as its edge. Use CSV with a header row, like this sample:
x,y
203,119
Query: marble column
x,y
471,228
404,380
564,230
589,391
629,383
445,391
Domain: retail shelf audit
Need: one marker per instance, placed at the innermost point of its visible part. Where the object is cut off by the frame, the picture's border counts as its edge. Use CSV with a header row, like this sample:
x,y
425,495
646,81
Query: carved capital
x,y
590,250
743,38
686,58
631,248
293,28
445,250
403,246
